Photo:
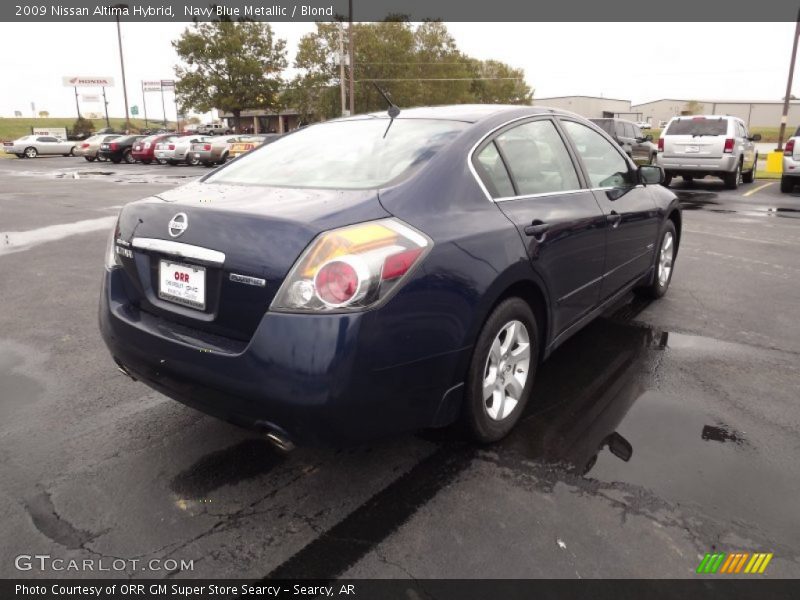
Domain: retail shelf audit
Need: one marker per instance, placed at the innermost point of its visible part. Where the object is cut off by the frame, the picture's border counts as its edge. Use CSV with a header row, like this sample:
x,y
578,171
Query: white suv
x,y
791,163
213,129
698,145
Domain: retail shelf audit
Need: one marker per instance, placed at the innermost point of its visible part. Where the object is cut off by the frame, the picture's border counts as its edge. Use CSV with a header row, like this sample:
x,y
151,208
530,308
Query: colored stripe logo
x,y
734,562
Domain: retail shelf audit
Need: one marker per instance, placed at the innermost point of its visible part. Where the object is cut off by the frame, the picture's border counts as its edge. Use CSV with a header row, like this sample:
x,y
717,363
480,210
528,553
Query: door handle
x,y
614,219
537,229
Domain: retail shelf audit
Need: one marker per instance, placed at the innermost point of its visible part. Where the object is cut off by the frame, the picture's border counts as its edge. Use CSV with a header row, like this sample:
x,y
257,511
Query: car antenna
x,y
393,111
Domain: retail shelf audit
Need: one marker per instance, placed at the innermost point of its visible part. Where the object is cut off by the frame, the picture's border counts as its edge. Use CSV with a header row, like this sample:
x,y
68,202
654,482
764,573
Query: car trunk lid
x,y
236,243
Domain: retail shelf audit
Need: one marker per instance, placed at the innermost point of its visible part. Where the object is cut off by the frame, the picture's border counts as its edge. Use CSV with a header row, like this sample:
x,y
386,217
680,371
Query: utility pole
x,y
77,104
144,105
785,115
105,105
341,69
122,67
351,54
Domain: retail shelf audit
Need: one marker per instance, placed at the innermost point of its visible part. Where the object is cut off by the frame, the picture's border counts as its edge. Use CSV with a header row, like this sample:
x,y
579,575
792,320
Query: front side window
x,y
360,153
604,164
537,159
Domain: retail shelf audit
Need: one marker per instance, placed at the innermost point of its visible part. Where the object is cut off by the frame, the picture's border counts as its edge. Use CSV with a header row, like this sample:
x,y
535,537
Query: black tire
x,y
116,161
787,185
653,158
172,163
31,152
659,286
147,161
161,161
688,178
750,176
667,179
192,161
734,178
90,158
480,425
71,151
127,156
223,159
20,155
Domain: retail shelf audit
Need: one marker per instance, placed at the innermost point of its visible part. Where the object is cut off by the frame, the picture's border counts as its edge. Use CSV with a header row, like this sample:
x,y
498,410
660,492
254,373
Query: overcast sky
x,y
636,61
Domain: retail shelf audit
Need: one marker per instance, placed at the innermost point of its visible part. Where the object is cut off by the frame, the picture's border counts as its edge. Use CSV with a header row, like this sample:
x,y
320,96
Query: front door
x,y
534,181
629,209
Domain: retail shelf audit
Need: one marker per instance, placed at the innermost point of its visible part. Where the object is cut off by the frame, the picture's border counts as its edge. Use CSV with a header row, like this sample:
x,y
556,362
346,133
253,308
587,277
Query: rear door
x,y
748,146
629,209
695,137
640,149
533,179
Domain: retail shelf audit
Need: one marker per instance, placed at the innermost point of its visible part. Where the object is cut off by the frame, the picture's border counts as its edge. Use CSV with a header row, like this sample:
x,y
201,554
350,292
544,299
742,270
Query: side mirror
x,y
651,174
756,137
648,138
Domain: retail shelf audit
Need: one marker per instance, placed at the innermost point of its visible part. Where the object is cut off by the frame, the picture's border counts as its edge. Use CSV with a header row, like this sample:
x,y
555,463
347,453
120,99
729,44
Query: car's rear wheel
x,y
192,161
116,161
749,176
665,260
733,179
161,161
31,152
90,158
787,184
147,161
502,371
223,159
667,179
127,156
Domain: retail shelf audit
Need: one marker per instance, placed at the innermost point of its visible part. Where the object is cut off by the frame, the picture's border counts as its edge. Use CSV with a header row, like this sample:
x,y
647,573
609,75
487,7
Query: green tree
x,y
231,66
43,114
417,65
693,107
82,127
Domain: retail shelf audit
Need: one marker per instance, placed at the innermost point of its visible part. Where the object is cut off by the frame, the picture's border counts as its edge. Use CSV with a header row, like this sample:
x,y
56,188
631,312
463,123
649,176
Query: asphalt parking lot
x,y
661,432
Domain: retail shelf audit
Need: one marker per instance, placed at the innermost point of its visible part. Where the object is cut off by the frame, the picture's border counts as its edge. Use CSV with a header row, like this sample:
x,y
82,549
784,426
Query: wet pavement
x,y
663,431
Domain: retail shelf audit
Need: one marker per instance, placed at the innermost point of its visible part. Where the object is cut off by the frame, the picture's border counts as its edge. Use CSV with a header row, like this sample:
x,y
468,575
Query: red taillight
x,y
788,150
660,144
207,147
84,145
729,143
172,146
113,145
337,282
398,264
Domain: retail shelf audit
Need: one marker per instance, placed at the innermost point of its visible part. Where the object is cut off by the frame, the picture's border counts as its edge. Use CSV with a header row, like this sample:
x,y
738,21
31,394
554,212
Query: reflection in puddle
x,y
705,201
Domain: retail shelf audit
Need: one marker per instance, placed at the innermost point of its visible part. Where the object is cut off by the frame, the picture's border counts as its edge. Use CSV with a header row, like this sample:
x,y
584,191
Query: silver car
x,y
177,150
89,147
32,146
213,152
695,146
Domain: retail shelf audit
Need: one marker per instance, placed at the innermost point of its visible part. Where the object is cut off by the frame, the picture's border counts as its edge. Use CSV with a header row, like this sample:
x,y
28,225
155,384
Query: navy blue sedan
x,y
372,275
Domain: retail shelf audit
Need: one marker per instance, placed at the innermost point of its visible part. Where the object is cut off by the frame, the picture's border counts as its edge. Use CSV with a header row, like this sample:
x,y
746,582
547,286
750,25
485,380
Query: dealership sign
x,y
151,85
58,132
90,97
79,81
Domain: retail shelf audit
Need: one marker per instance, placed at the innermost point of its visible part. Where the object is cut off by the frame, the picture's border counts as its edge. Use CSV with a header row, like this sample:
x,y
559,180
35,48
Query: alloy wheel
x,y
665,258
506,371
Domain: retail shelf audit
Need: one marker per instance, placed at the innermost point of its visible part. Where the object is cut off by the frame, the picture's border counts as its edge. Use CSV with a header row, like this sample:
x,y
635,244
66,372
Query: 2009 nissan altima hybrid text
x,y
373,275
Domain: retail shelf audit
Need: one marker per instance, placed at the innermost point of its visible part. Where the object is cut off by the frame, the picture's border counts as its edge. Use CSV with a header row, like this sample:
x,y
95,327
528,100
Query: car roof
x,y
470,113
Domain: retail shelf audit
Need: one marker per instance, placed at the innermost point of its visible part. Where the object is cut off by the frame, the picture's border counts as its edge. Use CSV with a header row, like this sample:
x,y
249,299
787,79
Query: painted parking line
x,y
15,241
754,190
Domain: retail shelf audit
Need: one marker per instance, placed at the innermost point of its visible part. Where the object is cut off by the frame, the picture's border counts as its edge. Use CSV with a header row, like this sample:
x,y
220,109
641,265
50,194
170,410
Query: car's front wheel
x,y
787,184
665,260
31,152
749,176
90,158
502,371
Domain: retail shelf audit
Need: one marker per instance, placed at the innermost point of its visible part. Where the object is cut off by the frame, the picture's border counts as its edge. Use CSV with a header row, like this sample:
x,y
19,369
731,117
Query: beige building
x,y
591,107
756,113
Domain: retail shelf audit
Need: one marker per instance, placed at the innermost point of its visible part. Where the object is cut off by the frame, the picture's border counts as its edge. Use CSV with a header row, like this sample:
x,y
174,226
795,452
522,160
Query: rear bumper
x,y
791,166
726,164
313,377
109,155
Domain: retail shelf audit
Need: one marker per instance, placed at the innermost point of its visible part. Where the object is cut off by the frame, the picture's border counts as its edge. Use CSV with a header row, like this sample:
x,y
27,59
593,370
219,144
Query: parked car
x,y
176,150
145,148
371,275
643,125
697,146
31,146
249,142
214,129
790,177
638,146
90,147
119,149
213,152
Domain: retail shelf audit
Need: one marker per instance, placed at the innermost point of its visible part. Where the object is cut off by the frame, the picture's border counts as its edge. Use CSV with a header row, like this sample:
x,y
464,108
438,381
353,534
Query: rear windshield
x,y
698,127
343,154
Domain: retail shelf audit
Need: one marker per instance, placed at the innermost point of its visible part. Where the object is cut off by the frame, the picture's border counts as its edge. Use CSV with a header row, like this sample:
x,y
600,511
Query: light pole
x,y
122,67
351,53
785,115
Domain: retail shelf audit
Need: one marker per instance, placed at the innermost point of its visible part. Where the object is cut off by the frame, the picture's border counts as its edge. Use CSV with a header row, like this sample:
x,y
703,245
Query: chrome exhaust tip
x,y
121,368
281,442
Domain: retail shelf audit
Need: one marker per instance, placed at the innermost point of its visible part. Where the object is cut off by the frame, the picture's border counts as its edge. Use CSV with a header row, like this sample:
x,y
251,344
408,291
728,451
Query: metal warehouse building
x,y
591,107
756,113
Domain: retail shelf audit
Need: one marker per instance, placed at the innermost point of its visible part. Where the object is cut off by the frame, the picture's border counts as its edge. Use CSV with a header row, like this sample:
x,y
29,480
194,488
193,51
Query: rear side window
x,y
698,126
604,164
537,158
494,173
629,130
606,125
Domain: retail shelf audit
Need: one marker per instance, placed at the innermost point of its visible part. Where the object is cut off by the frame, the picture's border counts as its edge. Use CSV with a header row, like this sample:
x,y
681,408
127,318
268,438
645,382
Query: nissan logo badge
x,y
178,224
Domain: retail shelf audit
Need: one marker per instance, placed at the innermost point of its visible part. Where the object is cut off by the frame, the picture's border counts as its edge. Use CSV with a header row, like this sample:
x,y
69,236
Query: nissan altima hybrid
x,y
384,272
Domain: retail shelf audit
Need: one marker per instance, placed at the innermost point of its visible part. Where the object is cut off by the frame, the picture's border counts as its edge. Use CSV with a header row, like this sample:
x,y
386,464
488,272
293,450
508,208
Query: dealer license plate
x,y
182,284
